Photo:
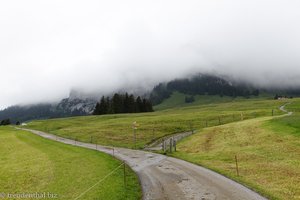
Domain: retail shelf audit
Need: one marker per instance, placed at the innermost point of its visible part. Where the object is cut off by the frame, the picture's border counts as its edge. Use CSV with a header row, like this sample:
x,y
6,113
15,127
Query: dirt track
x,y
282,108
164,177
157,145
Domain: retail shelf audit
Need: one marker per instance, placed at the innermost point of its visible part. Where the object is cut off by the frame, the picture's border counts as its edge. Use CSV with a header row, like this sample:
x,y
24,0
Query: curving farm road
x,y
282,108
164,177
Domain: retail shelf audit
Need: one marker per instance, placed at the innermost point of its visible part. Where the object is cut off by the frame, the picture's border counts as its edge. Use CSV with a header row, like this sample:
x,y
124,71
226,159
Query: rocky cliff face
x,y
75,106
78,103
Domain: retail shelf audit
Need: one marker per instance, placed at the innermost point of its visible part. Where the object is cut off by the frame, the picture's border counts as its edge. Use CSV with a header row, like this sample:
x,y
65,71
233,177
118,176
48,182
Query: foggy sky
x,y
49,47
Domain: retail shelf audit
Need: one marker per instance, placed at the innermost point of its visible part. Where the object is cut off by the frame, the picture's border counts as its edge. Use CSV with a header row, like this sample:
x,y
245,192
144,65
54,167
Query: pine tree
x,y
131,104
126,106
109,106
103,107
148,106
139,104
96,110
122,103
144,106
117,103
5,122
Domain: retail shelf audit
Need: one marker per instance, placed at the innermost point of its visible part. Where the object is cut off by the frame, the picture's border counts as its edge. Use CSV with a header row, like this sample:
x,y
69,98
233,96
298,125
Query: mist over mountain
x,y
82,103
49,47
76,104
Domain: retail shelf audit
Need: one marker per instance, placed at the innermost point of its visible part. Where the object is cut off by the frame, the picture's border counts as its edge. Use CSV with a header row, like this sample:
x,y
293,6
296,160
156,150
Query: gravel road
x,y
282,108
164,177
158,144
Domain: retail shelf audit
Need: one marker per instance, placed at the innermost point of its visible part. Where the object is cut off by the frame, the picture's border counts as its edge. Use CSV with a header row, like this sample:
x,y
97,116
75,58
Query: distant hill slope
x,y
25,113
202,84
65,108
199,89
167,93
178,99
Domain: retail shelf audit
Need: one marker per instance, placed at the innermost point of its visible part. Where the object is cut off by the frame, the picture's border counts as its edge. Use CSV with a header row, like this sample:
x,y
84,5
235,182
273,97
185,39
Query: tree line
x,y
122,103
5,122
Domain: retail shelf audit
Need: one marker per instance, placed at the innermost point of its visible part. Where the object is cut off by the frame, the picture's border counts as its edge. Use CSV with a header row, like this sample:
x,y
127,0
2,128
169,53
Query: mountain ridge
x,y
80,103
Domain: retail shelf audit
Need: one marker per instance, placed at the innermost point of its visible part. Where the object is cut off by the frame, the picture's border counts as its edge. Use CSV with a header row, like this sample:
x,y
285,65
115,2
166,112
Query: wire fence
x,y
101,180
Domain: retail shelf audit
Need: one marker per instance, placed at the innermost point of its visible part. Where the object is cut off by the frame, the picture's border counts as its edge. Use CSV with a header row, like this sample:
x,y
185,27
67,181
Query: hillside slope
x,y
178,99
267,149
116,130
65,108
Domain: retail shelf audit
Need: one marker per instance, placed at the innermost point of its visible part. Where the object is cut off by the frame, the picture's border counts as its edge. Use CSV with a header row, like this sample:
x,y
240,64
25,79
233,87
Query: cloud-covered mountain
x,y
74,105
82,103
49,47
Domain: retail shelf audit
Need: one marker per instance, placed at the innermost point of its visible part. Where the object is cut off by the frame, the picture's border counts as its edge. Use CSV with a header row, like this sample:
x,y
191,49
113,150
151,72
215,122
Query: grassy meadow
x,y
265,142
31,164
116,130
177,100
267,148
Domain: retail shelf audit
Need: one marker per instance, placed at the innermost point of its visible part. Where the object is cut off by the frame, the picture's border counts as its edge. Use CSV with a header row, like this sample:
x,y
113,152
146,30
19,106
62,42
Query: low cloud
x,y
49,47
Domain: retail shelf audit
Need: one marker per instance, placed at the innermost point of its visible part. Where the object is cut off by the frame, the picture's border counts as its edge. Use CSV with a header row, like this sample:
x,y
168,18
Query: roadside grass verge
x,y
31,164
116,130
288,124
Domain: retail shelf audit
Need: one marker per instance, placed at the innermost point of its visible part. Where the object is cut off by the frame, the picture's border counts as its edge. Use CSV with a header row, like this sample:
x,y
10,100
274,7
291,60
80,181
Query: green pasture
x,y
116,130
267,149
31,164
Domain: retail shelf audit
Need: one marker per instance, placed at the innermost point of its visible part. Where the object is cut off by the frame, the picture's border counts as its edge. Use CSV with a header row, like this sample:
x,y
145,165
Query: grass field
x,y
116,130
177,100
31,164
268,152
267,147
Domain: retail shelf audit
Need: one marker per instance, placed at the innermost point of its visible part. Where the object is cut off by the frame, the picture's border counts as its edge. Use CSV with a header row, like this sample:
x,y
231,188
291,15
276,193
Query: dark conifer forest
x,y
122,103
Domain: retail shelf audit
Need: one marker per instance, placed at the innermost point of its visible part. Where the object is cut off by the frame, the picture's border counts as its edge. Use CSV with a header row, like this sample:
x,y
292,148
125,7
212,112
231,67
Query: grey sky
x,y
49,47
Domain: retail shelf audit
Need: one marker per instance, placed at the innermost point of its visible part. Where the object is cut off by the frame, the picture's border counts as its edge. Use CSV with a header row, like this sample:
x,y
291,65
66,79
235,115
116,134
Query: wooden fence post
x,y
236,165
171,144
153,134
124,173
174,145
191,127
134,135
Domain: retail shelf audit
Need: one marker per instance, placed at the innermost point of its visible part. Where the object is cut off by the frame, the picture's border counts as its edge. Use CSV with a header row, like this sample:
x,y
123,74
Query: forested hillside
x,y
201,85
